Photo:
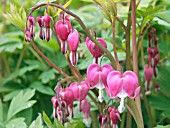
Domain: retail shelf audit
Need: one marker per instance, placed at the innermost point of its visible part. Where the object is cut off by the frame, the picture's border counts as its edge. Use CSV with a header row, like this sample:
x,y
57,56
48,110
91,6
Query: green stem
x,y
6,64
21,57
123,120
135,60
147,105
128,120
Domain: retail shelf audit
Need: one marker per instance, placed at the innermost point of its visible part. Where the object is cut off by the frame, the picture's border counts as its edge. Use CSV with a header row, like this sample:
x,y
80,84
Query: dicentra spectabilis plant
x,y
109,78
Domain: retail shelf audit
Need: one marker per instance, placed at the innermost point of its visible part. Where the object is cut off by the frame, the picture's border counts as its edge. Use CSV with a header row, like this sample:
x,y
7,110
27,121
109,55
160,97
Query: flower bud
x,y
94,49
148,72
31,26
41,25
73,41
47,20
114,115
85,107
54,101
27,34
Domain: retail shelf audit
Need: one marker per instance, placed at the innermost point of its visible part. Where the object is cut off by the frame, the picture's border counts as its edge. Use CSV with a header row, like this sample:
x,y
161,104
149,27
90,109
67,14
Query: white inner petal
x,y
100,97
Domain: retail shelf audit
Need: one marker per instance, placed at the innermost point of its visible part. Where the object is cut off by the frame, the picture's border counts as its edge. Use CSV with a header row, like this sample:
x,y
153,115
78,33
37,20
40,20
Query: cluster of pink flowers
x,y
153,59
117,85
63,28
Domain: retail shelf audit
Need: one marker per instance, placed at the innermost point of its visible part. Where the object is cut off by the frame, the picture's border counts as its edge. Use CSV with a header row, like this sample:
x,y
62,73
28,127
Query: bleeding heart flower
x,y
27,34
54,101
97,77
80,90
67,95
41,25
114,116
47,20
31,25
122,86
63,29
148,72
94,49
156,85
103,120
156,59
85,107
73,41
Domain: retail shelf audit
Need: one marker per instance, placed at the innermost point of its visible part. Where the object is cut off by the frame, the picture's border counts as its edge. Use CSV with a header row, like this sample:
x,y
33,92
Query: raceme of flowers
x,y
116,84
153,60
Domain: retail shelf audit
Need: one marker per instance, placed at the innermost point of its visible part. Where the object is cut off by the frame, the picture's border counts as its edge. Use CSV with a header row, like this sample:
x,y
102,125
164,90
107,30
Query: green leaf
x,y
47,120
42,88
19,72
10,42
16,16
57,124
9,88
37,123
164,15
68,125
64,6
46,76
10,95
160,126
27,114
1,111
20,102
16,123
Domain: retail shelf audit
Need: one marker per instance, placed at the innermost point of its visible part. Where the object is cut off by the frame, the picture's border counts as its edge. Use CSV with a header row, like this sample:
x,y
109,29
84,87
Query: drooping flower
x,y
67,95
63,29
114,116
41,25
103,120
94,49
122,86
54,101
97,77
31,25
85,107
27,34
148,73
46,20
80,90
73,41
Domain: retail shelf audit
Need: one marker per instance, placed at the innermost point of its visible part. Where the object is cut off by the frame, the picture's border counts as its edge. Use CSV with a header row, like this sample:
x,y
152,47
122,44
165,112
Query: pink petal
x,y
115,83
73,40
137,92
130,82
106,69
93,74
